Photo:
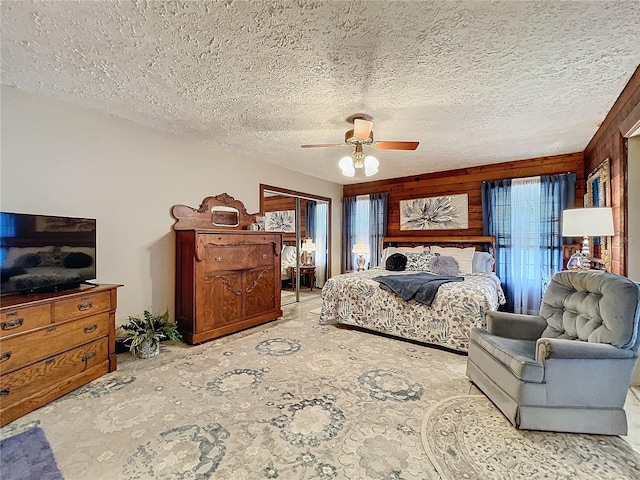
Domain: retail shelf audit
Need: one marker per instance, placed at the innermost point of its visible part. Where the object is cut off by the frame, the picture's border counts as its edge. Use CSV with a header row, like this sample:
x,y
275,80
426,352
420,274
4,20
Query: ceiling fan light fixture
x,y
362,128
362,136
346,165
371,164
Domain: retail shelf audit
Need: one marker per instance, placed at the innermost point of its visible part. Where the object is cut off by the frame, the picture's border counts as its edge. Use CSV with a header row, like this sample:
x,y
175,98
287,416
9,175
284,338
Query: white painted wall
x,y
61,159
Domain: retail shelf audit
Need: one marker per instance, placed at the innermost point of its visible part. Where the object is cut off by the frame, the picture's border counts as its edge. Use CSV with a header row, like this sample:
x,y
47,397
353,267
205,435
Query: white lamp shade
x,y
587,222
361,248
370,165
346,165
308,245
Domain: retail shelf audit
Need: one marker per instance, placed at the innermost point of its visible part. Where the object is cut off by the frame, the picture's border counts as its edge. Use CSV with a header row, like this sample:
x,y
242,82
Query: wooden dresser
x,y
50,344
227,278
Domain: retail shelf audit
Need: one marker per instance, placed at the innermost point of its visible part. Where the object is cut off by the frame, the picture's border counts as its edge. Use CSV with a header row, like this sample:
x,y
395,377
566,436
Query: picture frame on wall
x,y
280,221
449,212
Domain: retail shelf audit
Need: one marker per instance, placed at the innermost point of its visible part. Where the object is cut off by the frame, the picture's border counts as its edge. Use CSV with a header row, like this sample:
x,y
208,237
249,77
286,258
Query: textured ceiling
x,y
473,82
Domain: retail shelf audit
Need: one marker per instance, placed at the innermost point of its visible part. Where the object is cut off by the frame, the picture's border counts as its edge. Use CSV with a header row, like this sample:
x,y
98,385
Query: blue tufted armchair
x,y
568,369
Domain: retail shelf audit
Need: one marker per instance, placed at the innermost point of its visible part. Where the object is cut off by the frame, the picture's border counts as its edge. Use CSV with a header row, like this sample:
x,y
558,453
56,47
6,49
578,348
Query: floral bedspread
x,y
356,299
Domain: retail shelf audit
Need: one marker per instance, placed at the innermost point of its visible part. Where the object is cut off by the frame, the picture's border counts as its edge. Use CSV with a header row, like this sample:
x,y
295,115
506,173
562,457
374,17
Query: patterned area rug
x,y
27,456
290,400
467,437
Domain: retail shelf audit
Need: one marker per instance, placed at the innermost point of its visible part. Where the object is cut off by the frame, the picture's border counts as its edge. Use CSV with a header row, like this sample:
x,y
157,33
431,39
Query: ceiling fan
x,y
362,135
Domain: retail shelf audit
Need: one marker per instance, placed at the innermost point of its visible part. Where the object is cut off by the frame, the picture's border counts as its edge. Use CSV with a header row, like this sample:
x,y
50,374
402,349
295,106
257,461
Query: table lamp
x,y
307,247
361,249
585,223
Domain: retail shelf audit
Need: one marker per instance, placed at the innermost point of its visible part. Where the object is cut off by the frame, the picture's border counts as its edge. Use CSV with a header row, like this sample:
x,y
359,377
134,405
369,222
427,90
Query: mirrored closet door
x,y
304,220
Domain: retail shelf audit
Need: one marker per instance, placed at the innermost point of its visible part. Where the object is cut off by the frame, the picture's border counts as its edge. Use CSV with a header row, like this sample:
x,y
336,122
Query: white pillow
x,y
289,254
482,262
387,252
464,256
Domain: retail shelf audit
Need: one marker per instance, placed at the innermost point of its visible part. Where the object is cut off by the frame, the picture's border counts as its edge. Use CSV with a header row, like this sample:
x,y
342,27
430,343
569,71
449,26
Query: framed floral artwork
x,y
450,212
280,221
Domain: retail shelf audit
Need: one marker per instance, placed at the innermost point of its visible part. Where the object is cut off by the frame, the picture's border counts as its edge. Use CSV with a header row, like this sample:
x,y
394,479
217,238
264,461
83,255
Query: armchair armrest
x,y
563,348
515,325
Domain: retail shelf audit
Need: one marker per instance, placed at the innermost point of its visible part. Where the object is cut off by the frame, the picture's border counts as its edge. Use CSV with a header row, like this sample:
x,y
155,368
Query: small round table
x,y
307,272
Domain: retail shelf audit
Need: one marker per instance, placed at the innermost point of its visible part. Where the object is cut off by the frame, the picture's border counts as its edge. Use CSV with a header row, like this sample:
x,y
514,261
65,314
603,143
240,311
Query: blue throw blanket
x,y
421,287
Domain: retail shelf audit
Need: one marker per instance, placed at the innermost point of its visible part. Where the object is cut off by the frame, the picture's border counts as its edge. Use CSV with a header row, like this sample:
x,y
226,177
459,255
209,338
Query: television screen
x,y
45,253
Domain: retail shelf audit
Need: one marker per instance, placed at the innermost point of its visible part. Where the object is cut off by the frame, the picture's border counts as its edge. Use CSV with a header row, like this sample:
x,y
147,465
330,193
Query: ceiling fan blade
x,y
362,128
322,145
395,145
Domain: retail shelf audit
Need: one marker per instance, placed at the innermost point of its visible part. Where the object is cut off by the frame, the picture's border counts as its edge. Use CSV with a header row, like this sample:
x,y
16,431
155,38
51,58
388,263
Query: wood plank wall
x,y
276,203
608,142
466,180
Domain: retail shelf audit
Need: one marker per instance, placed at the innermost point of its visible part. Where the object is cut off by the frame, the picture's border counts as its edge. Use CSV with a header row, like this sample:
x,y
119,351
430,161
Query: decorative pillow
x,y
444,265
396,262
464,256
52,259
77,260
419,261
387,252
482,262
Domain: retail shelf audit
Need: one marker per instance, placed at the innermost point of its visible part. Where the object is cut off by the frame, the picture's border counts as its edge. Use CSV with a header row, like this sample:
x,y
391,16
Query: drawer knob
x,y
11,324
218,259
90,328
5,356
85,305
264,255
88,356
4,392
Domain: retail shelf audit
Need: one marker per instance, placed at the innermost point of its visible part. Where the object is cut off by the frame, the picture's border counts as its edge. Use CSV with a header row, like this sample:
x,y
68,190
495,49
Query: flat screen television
x,y
44,253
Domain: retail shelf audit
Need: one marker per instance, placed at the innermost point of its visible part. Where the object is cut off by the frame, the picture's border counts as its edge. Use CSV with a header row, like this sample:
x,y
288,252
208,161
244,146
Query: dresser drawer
x,y
21,350
81,306
23,383
238,257
18,320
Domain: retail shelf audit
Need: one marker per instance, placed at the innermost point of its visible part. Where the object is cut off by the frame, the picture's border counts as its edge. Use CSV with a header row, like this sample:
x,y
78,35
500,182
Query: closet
x,y
304,221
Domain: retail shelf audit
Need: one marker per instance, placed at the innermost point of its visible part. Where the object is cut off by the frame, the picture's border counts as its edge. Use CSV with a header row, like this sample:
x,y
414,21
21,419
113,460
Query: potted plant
x,y
143,335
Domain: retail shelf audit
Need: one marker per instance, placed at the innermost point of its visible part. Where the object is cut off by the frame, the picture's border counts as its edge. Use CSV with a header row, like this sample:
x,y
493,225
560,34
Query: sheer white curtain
x,y
321,233
362,226
526,257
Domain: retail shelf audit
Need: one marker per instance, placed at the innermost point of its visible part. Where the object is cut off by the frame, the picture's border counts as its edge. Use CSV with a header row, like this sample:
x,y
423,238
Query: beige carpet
x,y
296,400
288,400
467,437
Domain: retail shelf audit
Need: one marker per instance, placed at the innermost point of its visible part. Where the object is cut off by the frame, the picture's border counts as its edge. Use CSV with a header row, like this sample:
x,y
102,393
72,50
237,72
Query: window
x,y
362,226
524,215
365,218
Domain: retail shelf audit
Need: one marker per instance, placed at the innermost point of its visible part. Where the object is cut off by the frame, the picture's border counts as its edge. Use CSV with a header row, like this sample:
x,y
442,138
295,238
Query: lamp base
x,y
579,261
360,263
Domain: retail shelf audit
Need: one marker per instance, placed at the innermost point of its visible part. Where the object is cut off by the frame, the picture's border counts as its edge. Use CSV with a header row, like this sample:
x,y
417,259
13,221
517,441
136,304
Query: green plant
x,y
148,329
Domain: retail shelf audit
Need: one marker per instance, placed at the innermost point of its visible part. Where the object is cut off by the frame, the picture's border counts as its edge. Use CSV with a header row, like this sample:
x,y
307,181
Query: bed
x,y
356,299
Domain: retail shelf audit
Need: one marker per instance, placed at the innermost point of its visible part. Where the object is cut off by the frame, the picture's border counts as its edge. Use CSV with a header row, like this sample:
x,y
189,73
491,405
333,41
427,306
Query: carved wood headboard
x,y
220,212
483,243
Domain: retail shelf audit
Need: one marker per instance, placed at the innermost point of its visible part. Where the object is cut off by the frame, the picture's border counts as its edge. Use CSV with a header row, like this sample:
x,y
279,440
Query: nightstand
x,y
307,272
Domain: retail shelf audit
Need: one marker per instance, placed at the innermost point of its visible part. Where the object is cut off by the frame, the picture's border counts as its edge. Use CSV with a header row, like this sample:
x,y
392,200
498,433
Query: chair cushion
x,y
593,307
516,355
